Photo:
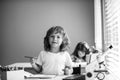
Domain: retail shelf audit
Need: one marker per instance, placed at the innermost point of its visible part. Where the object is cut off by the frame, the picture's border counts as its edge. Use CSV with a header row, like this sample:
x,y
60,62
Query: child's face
x,y
55,40
81,54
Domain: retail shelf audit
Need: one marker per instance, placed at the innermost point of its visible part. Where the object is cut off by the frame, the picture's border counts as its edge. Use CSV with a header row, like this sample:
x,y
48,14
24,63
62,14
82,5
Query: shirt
x,y
54,63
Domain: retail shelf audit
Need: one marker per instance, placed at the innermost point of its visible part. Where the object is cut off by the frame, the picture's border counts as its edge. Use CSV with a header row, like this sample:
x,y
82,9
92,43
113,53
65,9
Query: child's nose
x,y
55,38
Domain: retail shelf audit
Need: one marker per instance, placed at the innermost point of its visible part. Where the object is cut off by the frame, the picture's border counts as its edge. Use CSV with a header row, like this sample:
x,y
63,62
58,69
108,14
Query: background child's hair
x,y
81,47
56,29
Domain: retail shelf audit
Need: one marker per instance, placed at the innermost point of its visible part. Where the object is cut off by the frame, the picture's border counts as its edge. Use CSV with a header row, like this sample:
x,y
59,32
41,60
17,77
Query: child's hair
x,y
81,46
56,29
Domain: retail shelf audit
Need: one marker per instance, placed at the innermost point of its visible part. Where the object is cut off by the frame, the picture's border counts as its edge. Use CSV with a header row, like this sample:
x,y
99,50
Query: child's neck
x,y
80,57
55,50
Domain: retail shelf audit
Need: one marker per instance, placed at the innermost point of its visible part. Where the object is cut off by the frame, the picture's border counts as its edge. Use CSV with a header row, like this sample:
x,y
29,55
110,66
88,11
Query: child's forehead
x,y
56,34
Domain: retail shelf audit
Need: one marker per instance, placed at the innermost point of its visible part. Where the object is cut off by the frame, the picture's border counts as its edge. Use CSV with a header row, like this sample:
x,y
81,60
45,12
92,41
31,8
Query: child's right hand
x,y
37,67
33,60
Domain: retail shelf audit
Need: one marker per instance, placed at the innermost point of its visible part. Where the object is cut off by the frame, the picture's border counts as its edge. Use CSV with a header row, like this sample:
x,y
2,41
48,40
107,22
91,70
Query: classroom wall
x,y
23,25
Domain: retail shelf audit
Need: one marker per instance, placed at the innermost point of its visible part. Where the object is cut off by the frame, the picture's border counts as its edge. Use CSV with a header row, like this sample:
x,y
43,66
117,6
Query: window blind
x,y
111,29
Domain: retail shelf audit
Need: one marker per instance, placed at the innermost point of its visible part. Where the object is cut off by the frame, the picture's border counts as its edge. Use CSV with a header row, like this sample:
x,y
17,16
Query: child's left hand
x,y
68,71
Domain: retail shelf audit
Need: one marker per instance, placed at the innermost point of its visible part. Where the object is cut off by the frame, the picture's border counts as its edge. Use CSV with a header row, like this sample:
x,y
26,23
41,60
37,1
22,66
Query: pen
x,y
29,57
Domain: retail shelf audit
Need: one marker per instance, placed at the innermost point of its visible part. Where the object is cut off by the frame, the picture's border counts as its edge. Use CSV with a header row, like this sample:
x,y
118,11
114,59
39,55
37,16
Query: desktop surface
x,y
28,68
63,77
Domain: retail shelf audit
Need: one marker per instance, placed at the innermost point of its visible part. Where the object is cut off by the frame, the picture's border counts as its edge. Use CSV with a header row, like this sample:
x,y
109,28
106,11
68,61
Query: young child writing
x,y
80,52
54,59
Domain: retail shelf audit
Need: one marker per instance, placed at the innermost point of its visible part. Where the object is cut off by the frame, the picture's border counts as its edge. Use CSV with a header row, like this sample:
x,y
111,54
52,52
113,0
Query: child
x,y
80,52
54,59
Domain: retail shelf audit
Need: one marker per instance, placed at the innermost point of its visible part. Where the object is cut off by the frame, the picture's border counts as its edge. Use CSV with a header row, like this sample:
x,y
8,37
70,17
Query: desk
x,y
55,78
27,66
21,64
20,76
64,77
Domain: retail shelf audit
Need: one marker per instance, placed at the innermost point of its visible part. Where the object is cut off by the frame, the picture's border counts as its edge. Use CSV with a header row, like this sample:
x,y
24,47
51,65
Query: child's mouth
x,y
54,42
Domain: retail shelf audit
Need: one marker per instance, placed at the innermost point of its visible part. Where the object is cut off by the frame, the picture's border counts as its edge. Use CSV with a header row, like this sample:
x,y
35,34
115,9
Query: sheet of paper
x,y
15,75
38,76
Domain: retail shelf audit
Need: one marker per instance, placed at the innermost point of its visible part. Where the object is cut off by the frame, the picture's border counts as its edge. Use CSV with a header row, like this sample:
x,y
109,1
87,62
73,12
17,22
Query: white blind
x,y
111,32
112,24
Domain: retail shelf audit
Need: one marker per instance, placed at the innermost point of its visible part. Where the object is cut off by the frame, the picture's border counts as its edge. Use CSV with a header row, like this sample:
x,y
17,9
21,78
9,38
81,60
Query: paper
x,y
15,75
38,76
27,74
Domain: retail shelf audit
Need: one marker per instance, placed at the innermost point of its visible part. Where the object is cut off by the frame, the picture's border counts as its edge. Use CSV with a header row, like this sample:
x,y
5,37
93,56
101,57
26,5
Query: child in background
x,y
80,52
54,59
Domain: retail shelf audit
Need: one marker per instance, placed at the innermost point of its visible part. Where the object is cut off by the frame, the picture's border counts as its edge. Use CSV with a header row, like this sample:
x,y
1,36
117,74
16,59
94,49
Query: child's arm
x,y
69,65
36,66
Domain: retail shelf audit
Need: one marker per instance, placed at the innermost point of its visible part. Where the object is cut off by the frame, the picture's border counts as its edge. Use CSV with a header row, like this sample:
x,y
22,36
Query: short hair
x,y
81,47
56,29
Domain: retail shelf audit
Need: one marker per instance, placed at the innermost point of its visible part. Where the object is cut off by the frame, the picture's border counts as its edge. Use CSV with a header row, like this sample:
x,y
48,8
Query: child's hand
x,y
36,66
33,60
68,71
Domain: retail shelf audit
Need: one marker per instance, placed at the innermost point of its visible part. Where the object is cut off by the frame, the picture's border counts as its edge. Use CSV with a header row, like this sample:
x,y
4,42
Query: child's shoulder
x,y
65,52
43,52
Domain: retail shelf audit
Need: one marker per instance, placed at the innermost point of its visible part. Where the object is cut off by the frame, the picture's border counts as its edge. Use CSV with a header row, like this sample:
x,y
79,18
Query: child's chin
x,y
78,60
55,45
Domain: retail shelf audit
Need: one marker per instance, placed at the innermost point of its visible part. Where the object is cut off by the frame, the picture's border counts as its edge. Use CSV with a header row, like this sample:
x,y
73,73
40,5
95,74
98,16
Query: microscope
x,y
96,70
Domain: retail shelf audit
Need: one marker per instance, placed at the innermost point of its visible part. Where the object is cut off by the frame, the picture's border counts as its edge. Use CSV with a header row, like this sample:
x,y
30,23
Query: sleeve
x,y
39,60
68,60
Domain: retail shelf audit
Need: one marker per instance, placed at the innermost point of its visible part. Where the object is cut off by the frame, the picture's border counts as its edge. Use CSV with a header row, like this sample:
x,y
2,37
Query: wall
x,y
23,25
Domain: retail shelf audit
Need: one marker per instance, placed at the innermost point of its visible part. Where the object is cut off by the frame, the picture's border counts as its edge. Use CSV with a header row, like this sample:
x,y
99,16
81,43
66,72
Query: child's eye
x,y
51,36
58,36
